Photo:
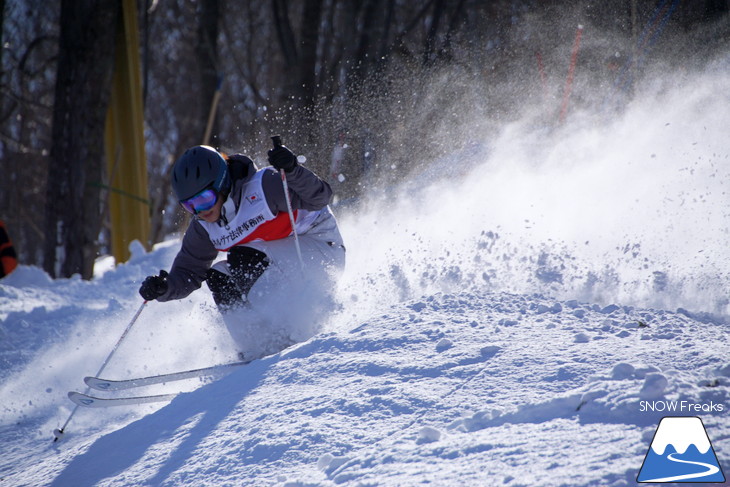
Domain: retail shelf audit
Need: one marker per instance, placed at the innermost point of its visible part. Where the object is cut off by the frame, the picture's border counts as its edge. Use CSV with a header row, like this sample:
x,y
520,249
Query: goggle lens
x,y
203,201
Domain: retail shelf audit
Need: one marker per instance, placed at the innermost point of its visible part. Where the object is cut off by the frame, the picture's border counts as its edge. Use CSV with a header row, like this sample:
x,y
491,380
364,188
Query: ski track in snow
x,y
504,330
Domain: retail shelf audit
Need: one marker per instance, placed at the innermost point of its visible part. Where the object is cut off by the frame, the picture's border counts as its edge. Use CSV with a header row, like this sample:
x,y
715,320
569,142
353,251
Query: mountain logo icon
x,y
680,452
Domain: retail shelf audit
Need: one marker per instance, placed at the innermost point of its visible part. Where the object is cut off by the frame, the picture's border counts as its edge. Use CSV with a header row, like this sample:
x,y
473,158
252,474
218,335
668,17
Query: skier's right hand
x,y
154,286
282,158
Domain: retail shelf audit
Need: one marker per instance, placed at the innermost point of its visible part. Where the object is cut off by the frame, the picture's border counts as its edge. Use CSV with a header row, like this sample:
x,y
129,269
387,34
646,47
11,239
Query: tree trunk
x,y
715,9
311,20
288,45
2,26
296,115
207,52
86,57
363,58
429,48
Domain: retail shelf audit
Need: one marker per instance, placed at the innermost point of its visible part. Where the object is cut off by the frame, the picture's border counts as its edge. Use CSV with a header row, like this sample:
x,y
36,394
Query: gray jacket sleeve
x,y
191,264
308,191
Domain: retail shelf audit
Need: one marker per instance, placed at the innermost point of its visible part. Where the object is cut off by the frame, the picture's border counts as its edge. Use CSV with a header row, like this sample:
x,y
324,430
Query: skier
x,y
243,211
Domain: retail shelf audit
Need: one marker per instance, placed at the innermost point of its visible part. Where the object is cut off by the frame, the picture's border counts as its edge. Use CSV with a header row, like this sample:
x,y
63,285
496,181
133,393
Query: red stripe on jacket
x,y
276,229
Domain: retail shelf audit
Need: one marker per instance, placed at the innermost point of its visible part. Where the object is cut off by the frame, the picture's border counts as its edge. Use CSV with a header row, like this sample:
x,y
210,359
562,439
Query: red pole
x,y
571,73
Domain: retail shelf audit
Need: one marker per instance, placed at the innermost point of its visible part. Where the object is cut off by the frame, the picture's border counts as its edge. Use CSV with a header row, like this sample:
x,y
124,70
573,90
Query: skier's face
x,y
212,215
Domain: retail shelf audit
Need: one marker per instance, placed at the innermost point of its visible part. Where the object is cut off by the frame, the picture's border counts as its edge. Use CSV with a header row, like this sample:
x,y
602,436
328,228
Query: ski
x,y
120,385
87,401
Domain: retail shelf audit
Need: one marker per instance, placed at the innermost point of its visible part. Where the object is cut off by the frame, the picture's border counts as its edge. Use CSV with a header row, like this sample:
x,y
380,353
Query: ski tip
x,y
99,402
81,399
98,384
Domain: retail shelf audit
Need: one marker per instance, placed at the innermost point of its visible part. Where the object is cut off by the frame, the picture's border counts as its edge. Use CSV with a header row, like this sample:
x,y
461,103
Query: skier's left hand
x,y
282,158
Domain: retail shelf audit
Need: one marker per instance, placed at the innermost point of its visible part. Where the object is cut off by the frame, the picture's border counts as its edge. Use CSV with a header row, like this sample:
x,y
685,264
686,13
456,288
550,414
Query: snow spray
x,y
632,210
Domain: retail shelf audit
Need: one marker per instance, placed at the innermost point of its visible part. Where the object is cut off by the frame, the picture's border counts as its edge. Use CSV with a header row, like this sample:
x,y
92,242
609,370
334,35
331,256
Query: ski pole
x,y
58,433
276,139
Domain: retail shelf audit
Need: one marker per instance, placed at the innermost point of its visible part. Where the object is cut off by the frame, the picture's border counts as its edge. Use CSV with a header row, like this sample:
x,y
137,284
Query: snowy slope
x,y
481,389
507,328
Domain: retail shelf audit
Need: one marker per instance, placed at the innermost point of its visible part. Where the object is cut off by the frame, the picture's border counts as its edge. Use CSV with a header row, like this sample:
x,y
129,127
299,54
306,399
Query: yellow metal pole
x,y
125,152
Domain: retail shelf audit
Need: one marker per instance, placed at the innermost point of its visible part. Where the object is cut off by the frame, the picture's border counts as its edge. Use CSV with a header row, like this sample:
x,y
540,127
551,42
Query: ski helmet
x,y
199,168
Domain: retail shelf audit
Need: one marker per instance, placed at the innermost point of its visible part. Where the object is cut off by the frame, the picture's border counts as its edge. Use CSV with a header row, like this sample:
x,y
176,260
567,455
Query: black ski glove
x,y
154,286
282,158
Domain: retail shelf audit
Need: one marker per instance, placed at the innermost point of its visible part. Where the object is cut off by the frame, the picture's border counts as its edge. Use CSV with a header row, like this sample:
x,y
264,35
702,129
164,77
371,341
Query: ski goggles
x,y
203,201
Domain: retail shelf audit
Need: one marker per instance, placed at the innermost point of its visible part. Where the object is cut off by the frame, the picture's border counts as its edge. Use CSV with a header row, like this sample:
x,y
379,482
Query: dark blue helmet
x,y
199,168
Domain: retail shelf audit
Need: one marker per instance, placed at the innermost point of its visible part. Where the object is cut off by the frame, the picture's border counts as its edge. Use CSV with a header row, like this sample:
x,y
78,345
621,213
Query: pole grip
x,y
276,139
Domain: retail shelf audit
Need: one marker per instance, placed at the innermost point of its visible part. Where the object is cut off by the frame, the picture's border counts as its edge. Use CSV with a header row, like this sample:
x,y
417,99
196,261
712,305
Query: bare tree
x,y
174,109
29,56
207,54
300,66
73,207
